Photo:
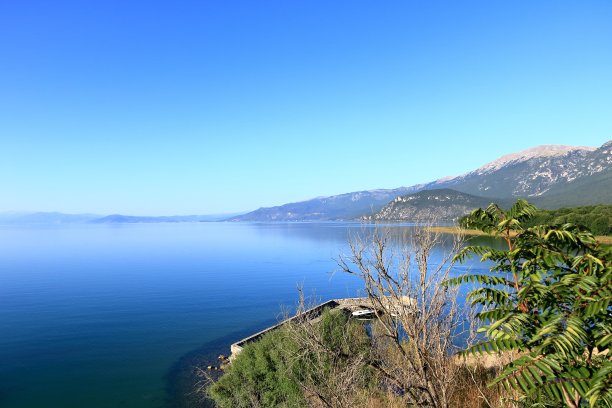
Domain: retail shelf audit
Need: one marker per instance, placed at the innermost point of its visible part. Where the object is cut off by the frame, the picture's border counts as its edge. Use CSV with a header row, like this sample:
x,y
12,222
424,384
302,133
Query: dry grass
x,y
458,230
604,239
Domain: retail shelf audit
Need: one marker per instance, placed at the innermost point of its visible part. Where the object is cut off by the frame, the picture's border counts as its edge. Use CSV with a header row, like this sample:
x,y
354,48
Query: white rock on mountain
x,y
538,151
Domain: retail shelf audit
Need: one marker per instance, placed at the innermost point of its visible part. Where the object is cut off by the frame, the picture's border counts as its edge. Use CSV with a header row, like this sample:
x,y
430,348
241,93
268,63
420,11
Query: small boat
x,y
363,313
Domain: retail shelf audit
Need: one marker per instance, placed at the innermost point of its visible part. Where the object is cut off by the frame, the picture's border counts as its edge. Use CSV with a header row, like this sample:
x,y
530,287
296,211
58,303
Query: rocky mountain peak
x,y
543,151
606,147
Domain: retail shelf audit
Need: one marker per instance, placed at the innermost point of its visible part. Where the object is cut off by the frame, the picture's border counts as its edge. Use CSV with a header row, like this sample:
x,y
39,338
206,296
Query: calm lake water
x,y
104,316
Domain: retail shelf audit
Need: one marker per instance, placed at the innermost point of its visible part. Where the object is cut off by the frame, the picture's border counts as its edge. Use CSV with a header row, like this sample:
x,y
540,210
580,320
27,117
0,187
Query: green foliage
x,y
269,372
596,218
549,295
259,376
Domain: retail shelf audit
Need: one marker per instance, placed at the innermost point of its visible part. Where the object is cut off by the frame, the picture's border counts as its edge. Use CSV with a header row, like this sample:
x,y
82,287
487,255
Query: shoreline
x,y
182,378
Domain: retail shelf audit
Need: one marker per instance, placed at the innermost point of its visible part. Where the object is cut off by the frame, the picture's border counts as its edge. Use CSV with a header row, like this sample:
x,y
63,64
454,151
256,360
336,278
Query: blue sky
x,y
220,106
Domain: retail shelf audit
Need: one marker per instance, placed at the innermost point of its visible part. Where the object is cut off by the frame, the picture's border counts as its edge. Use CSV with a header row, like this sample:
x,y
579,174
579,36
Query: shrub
x,y
259,376
292,363
548,296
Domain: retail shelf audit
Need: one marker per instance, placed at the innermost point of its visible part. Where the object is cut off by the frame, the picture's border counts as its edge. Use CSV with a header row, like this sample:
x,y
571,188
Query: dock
x,y
348,304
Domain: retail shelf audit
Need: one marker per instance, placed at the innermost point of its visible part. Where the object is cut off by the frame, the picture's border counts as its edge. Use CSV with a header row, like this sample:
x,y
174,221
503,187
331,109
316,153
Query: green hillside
x,y
439,204
597,218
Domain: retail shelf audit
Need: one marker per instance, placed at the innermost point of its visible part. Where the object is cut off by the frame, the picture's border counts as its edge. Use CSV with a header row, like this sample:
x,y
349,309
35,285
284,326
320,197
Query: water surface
x,y
101,316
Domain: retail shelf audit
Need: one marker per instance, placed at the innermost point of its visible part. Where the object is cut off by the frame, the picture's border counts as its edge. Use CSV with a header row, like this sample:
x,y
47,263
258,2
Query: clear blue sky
x,y
183,107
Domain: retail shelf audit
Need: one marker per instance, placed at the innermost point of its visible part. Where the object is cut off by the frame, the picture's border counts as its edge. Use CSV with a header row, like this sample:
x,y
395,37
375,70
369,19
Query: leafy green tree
x,y
548,296
259,376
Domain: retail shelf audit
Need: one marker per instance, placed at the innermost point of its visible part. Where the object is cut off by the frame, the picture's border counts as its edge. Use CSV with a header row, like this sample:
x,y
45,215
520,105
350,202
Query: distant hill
x,y
440,204
340,207
551,176
45,218
48,218
132,219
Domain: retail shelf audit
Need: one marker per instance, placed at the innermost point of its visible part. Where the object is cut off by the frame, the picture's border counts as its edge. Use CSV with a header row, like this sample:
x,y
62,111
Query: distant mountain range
x,y
118,218
47,218
550,176
339,207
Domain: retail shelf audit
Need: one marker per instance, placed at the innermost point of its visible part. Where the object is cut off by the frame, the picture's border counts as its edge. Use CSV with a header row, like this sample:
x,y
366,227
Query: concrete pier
x,y
348,304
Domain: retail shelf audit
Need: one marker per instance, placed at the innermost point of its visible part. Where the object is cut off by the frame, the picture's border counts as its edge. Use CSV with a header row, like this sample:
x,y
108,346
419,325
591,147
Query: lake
x,y
117,315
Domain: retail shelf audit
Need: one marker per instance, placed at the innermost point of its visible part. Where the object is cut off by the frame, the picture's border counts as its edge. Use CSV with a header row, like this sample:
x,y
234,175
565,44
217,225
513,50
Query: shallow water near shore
x,y
117,315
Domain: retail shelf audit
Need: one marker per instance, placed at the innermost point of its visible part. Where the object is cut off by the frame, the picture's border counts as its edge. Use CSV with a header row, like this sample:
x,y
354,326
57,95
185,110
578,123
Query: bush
x,y
259,376
279,369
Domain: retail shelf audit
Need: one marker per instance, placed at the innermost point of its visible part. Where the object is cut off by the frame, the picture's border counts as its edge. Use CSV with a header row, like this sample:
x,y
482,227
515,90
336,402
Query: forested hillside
x,y
597,218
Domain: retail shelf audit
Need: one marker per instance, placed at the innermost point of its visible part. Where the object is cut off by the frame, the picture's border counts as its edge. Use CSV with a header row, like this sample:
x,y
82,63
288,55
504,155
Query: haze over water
x,y
99,315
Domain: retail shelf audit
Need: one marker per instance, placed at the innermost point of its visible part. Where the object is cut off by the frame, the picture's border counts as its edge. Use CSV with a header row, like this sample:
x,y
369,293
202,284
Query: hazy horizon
x,y
207,108
233,213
